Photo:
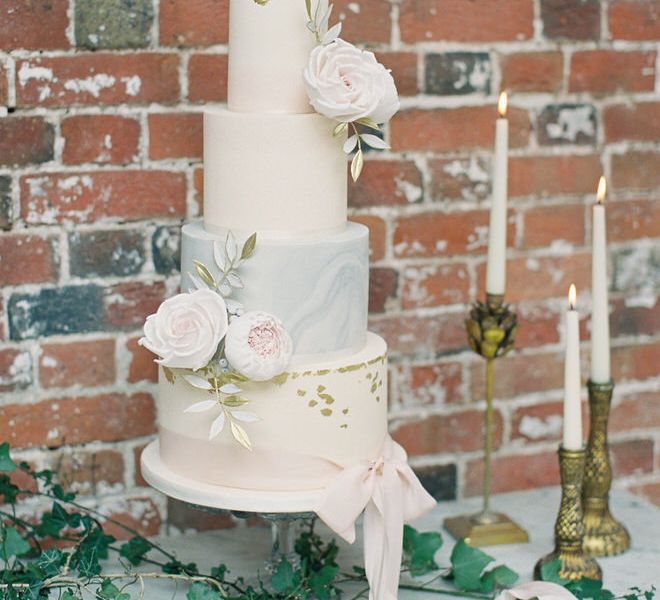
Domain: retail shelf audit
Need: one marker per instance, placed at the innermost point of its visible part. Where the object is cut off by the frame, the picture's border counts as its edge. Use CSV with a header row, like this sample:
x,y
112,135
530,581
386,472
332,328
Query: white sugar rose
x,y
346,84
187,329
258,346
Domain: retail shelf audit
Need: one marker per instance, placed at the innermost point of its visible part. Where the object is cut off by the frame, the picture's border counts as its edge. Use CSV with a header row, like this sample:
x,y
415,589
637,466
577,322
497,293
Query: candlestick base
x,y
604,535
486,529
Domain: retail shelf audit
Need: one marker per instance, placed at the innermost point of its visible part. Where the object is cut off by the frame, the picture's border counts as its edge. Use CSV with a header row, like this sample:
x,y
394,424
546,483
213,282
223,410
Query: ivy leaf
x,y
550,572
357,165
467,565
7,465
249,247
12,544
51,561
135,550
420,549
201,591
282,579
499,577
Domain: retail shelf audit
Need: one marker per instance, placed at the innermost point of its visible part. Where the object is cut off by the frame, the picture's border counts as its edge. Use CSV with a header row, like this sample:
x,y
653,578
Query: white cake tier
x,y
316,285
273,173
316,420
269,47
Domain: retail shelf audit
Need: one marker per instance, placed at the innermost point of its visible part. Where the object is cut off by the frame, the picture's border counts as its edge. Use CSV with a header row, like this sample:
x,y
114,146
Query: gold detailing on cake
x,y
302,393
169,375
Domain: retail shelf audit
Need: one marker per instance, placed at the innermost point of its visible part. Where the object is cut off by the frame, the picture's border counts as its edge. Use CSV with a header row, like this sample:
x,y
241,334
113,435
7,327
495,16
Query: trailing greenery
x,y
60,555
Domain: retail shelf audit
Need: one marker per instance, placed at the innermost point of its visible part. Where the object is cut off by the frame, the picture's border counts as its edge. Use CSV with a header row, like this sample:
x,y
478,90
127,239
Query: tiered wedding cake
x,y
269,380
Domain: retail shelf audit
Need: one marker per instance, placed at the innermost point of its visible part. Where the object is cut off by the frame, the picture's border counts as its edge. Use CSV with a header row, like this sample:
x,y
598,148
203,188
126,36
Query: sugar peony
x,y
258,346
187,329
346,84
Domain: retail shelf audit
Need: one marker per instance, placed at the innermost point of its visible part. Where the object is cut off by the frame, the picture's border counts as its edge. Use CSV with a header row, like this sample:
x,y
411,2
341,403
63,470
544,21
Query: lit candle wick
x,y
572,297
503,104
602,190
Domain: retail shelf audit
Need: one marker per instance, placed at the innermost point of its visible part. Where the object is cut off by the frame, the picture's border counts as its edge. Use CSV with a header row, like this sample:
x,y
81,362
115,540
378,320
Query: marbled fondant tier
x,y
316,285
269,46
273,173
318,418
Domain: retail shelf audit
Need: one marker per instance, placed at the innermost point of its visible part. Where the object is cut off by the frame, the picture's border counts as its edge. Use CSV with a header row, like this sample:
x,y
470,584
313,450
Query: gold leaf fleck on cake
x,y
344,426
351,368
374,387
312,403
377,398
345,411
323,372
280,379
368,375
169,375
302,392
327,398
320,389
378,359
326,412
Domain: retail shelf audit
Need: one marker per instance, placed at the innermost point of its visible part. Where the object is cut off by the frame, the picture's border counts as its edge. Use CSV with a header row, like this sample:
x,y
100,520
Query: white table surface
x,y
244,549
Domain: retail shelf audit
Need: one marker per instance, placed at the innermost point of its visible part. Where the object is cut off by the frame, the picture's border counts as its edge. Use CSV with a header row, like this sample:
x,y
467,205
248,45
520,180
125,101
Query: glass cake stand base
x,y
282,509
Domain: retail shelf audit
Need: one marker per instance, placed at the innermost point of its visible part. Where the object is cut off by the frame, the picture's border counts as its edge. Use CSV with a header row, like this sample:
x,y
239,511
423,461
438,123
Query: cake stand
x,y
279,508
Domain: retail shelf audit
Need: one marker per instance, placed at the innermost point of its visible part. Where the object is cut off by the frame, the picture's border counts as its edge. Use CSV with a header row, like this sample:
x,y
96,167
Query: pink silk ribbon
x,y
390,494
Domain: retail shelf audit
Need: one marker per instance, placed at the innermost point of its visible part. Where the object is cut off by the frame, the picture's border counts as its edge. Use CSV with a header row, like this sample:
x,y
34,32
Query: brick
x,y
387,182
567,124
454,129
97,79
176,135
198,183
634,319
459,21
456,432
511,473
15,370
79,364
126,306
571,19
193,22
532,72
637,362
71,421
207,77
650,491
635,267
3,333
538,326
366,23
25,140
439,481
548,225
436,384
640,410
631,457
436,335
138,514
632,220
115,252
6,204
142,366
457,73
636,170
516,375
632,122
27,258
113,23
140,481
126,195
609,71
3,86
538,278
634,20
435,285
461,178
33,24
166,250
404,70
441,234
90,472
553,175
377,233
383,283
539,423
101,139
185,518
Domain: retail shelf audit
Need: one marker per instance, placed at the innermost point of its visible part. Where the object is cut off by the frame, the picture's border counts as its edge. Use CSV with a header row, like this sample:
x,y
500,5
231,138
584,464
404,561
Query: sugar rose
x,y
345,83
187,329
258,346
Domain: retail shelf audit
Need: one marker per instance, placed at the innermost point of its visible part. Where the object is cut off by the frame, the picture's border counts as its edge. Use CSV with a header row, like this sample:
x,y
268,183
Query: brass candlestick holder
x,y
491,331
575,563
604,535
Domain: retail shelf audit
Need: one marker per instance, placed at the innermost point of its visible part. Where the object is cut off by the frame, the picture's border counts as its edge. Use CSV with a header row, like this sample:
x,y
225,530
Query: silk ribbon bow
x,y
390,494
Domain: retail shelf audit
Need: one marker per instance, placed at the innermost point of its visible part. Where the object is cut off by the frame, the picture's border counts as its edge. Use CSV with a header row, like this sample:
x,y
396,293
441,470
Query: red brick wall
x,y
100,161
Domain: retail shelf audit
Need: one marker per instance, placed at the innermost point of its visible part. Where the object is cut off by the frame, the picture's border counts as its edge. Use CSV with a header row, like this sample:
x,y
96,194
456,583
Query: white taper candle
x,y
496,273
600,317
572,383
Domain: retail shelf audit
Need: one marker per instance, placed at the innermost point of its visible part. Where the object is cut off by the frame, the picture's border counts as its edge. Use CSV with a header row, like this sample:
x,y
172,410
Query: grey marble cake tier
x,y
318,285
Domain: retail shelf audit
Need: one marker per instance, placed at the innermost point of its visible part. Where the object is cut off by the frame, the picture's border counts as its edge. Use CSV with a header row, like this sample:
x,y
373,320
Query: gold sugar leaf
x,y
234,401
169,375
205,274
241,436
249,246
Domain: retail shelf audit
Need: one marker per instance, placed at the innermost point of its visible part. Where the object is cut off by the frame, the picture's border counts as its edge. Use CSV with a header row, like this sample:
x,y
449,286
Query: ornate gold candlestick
x,y
604,535
491,332
575,563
